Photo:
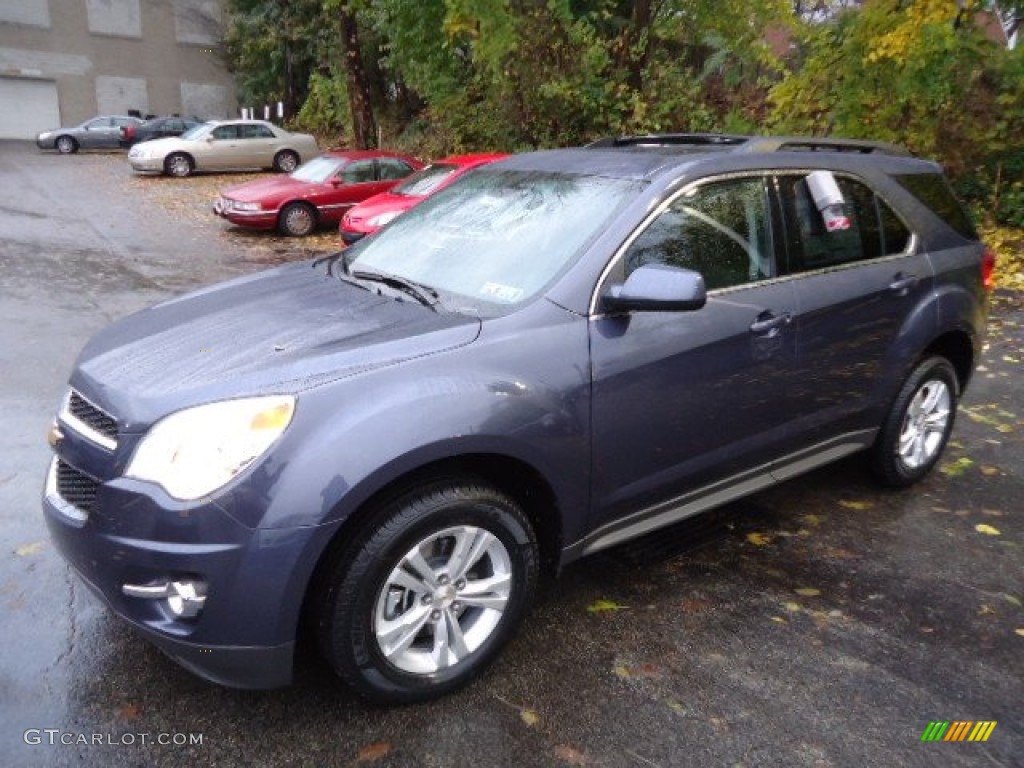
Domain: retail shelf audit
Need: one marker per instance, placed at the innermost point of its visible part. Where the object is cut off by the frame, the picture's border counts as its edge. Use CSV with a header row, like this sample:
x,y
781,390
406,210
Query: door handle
x,y
769,323
902,283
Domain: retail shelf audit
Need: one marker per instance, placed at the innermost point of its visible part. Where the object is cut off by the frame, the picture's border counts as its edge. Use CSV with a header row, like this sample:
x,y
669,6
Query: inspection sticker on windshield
x,y
505,293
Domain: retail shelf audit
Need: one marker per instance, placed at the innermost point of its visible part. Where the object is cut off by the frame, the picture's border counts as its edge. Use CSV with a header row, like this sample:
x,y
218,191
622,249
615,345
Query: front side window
x,y
225,132
720,229
358,172
319,169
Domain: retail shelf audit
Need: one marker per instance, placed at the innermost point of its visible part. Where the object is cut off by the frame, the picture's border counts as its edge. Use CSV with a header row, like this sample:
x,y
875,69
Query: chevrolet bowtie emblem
x,y
55,436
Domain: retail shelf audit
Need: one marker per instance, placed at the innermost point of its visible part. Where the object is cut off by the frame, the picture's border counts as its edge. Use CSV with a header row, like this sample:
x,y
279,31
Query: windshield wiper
x,y
422,293
331,260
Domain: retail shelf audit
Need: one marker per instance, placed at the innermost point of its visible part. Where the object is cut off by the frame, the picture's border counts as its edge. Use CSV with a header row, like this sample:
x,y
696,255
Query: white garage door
x,y
27,107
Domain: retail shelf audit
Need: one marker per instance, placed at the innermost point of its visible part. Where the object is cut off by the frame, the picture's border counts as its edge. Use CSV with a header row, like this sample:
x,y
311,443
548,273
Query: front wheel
x,y
179,164
297,220
919,424
66,145
431,595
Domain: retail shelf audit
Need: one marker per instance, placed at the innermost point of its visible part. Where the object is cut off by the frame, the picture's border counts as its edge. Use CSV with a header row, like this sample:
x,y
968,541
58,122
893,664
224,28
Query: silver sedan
x,y
103,132
224,145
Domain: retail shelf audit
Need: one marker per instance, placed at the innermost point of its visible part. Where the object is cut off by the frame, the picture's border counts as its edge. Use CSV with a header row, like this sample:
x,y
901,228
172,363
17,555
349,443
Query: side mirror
x,y
209,137
337,181
657,288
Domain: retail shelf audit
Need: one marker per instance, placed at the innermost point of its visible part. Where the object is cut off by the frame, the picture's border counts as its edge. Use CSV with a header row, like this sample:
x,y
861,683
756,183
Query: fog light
x,y
184,599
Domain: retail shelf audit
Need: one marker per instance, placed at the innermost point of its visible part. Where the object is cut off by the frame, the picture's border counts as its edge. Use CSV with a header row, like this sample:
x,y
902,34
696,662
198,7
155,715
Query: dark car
x,y
156,128
103,132
318,193
559,352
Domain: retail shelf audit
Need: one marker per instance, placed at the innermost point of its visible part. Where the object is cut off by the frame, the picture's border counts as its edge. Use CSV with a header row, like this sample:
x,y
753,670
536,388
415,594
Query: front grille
x,y
76,488
99,421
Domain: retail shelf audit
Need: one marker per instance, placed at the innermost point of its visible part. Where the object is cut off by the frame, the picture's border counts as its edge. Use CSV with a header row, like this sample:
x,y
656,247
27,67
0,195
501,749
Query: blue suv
x,y
558,353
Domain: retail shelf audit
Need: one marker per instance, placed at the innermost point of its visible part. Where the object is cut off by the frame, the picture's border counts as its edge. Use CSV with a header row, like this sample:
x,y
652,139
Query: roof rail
x,y
673,140
740,143
814,144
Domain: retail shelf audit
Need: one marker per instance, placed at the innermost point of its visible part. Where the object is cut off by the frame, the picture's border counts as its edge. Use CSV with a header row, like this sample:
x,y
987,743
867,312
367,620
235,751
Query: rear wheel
x,y
919,424
297,220
66,145
431,596
286,161
179,164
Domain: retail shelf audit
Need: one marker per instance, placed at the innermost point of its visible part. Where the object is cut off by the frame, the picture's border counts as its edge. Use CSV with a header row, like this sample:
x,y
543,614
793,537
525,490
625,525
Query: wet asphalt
x,y
822,623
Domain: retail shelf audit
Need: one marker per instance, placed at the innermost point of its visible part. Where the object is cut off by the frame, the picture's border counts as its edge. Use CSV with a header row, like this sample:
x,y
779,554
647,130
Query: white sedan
x,y
224,145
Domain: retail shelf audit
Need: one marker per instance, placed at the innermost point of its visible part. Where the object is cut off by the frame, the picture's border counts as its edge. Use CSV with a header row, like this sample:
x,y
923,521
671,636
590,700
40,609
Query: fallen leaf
x,y
988,530
759,539
29,549
792,607
602,606
808,591
1020,631
812,519
1013,600
529,717
570,755
957,468
372,752
622,672
129,712
859,505
986,610
989,471
779,620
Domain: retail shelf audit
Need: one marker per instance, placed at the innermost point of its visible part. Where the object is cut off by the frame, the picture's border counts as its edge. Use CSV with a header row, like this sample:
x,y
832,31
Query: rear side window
x,y
933,190
870,230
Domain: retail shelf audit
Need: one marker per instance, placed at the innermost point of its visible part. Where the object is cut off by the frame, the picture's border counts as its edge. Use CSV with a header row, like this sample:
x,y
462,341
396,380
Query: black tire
x,y
286,161
359,594
297,220
919,424
179,164
66,145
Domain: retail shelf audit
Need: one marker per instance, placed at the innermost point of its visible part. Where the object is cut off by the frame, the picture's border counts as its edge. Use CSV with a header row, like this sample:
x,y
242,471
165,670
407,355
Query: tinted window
x,y
358,172
225,132
933,190
720,230
391,168
871,229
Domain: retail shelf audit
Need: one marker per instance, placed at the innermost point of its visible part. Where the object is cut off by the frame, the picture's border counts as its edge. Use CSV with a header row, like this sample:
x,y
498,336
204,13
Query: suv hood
x,y
281,330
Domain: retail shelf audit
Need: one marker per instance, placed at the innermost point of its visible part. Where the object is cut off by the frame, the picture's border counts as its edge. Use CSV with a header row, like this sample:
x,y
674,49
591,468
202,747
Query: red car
x,y
366,218
316,193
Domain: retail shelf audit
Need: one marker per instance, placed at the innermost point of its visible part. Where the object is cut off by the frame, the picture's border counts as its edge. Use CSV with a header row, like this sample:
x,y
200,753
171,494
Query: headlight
x,y
240,206
194,452
384,218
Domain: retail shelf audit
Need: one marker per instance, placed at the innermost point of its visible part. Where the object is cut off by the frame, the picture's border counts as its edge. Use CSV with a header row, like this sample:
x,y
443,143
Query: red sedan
x,y
366,218
316,193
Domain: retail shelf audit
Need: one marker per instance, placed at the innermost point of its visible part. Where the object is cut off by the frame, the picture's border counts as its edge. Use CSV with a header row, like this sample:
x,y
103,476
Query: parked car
x,y
103,132
317,193
372,214
563,351
156,128
224,145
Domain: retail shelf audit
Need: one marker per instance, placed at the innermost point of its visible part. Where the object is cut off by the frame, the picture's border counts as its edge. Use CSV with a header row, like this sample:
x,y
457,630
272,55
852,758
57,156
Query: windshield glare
x,y
497,238
426,181
196,131
319,169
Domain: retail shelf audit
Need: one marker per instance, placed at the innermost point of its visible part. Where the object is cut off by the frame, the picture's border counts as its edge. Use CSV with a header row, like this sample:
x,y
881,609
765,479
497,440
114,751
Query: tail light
x,y
128,131
988,269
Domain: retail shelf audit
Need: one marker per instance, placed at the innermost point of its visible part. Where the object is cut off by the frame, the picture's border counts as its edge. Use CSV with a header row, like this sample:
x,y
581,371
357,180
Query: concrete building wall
x,y
109,56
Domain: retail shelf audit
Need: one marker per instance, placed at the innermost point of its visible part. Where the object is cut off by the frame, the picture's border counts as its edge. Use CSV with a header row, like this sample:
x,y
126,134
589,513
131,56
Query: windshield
x,y
197,131
319,169
426,181
497,238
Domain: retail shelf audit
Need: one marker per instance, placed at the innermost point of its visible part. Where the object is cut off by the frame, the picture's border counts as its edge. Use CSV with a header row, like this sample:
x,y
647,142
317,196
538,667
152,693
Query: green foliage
x,y
462,75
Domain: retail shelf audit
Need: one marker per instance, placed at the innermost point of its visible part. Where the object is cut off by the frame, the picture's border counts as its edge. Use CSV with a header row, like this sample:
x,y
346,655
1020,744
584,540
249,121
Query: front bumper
x,y
146,164
262,219
244,636
350,238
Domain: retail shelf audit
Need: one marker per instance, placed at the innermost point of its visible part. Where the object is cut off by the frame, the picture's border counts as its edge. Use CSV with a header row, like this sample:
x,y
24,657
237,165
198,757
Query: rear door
x,y
682,399
856,287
